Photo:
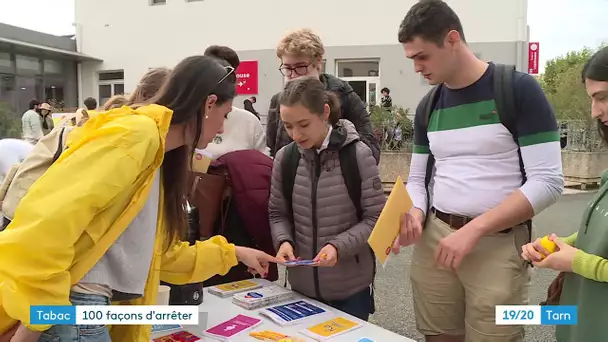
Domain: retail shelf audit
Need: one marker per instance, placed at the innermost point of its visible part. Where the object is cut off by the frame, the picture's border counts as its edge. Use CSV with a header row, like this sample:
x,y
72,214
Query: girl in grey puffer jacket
x,y
320,221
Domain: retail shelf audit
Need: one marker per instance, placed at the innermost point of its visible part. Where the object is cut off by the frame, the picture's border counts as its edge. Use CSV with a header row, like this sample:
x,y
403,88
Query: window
x,y
6,63
52,67
158,2
110,83
28,65
358,68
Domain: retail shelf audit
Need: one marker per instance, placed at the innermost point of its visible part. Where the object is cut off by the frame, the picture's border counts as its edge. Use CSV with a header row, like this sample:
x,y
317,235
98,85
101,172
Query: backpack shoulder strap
x,y
428,103
289,168
352,175
504,95
506,105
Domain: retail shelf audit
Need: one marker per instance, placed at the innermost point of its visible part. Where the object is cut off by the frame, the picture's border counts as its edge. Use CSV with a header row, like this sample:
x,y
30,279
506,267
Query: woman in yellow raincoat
x,y
104,221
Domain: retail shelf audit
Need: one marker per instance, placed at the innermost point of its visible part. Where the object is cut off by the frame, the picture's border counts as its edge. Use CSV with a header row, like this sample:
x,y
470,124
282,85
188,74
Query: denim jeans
x,y
359,305
79,333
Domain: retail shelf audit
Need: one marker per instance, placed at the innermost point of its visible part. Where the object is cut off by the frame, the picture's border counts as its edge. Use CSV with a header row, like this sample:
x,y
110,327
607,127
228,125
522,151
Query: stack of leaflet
x,y
292,313
228,289
262,297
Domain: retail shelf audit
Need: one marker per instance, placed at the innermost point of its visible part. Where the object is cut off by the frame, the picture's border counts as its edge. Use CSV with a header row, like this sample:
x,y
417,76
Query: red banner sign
x,y
533,49
247,78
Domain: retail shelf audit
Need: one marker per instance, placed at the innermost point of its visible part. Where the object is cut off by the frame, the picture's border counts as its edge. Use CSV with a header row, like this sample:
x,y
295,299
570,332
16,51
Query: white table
x,y
222,309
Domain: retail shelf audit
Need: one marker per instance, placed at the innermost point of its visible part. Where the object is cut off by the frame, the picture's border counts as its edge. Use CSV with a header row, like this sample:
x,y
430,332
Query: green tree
x,y
10,125
557,66
563,86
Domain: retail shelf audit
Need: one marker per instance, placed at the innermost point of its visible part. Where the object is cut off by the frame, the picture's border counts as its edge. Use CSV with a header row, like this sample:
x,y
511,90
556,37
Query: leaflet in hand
x,y
267,295
292,313
232,327
228,289
300,263
331,328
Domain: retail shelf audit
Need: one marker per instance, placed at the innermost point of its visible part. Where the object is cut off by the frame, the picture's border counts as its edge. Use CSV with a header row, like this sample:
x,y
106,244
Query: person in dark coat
x,y
301,53
248,105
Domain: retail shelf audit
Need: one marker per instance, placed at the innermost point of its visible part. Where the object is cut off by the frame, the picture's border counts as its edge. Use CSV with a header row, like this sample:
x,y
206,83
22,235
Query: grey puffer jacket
x,y
324,214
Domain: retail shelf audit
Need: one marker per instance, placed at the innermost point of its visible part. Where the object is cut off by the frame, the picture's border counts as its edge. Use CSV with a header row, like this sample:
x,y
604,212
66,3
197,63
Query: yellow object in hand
x,y
549,245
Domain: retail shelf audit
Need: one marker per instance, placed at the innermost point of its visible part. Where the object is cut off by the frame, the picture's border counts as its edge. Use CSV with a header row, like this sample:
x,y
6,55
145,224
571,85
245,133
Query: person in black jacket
x,y
248,105
301,53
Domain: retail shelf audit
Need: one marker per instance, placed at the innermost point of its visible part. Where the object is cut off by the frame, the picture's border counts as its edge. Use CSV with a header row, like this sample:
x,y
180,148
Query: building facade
x,y
360,38
35,65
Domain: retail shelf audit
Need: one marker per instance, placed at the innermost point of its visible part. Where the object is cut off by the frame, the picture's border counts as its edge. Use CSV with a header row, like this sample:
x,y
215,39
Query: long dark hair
x,y
185,92
596,69
311,94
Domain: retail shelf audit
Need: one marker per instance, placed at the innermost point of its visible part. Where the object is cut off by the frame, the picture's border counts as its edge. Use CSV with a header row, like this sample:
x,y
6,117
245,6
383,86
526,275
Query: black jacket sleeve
x,y
272,124
354,111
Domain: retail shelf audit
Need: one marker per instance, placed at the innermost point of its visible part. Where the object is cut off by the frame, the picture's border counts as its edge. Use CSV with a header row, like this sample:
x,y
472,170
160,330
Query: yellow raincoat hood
x,y
76,210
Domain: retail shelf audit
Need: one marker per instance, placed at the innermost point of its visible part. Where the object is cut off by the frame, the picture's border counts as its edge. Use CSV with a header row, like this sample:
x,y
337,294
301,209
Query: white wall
x,y
133,35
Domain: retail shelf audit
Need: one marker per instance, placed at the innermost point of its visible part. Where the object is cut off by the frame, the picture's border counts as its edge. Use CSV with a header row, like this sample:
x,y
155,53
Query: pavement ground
x,y
394,309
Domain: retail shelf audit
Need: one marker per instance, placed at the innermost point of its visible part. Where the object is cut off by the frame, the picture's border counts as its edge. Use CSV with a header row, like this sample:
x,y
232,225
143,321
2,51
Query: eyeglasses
x,y
229,72
300,70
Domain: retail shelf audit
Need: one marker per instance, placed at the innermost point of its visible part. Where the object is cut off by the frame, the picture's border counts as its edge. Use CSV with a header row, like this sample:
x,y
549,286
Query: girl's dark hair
x,y
185,92
596,69
149,85
310,92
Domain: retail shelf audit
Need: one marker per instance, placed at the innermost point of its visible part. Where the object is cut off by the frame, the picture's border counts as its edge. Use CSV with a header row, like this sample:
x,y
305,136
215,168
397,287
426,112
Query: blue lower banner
x,y
53,314
114,314
558,315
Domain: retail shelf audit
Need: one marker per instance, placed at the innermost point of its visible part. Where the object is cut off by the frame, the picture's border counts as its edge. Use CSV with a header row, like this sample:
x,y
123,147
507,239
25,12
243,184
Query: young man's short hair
x,y
90,103
301,42
385,90
225,53
33,103
430,20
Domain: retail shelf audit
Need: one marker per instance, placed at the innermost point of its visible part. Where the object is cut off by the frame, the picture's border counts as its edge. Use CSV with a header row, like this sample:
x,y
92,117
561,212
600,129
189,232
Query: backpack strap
x,y
506,105
352,179
428,105
352,176
289,169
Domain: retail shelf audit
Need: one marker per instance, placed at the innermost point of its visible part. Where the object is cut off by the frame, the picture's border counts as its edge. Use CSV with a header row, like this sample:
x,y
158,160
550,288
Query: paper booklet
x,y
258,298
228,289
232,327
181,336
388,225
331,328
156,328
292,313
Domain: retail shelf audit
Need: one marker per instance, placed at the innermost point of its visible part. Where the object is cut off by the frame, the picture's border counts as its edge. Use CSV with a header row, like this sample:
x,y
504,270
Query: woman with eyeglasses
x,y
105,223
582,258
301,54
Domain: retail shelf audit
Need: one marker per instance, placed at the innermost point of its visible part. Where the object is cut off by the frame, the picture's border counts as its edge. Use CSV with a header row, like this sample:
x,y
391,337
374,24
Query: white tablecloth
x,y
222,309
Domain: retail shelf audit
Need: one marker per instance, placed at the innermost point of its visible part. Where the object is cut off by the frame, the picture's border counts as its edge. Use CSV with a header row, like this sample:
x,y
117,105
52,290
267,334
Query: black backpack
x,y
350,174
507,110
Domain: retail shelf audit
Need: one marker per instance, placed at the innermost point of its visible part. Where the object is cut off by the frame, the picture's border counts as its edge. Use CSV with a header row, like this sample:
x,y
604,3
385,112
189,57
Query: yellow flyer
x,y
331,328
238,285
387,227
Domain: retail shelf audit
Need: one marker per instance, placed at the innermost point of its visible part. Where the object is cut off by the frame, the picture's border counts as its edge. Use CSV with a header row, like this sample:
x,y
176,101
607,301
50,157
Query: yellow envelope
x,y
387,227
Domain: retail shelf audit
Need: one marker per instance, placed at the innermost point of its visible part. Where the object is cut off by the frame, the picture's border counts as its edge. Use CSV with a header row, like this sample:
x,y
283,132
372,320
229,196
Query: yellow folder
x,y
387,227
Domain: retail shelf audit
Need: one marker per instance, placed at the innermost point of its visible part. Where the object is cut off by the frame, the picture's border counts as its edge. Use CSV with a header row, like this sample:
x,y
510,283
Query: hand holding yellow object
x,y
548,245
